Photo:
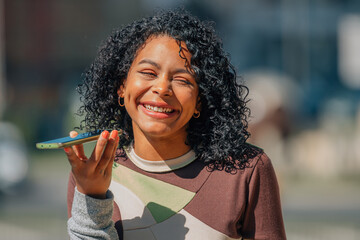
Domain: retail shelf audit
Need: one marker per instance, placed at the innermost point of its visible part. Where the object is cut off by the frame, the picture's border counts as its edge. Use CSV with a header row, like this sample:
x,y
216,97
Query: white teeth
x,y
158,109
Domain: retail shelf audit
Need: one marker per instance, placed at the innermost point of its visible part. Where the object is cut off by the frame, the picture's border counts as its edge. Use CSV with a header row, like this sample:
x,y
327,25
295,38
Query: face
x,y
160,93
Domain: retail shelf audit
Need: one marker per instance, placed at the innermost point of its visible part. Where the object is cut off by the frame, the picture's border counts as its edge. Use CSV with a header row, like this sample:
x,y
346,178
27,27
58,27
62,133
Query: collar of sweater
x,y
161,165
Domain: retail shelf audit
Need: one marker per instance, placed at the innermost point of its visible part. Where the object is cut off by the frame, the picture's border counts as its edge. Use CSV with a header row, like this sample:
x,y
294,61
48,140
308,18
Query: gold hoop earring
x,y
119,101
196,115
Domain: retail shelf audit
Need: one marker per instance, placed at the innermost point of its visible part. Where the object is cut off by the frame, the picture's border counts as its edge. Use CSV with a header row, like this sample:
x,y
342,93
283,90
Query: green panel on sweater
x,y
162,199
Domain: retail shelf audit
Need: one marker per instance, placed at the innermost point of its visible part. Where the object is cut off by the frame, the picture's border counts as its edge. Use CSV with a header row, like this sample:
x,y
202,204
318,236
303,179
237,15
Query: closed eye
x,y
148,73
183,81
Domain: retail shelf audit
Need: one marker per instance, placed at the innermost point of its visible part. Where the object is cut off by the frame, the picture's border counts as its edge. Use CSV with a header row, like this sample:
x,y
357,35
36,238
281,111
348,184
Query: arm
x,y
90,204
91,217
263,217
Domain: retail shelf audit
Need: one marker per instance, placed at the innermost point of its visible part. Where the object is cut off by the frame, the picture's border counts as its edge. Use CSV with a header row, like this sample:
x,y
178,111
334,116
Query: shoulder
x,y
247,159
261,163
257,170
262,166
257,162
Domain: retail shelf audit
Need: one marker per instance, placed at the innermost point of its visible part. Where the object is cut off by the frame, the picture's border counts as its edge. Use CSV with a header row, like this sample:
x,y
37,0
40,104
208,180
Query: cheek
x,y
193,97
188,101
135,89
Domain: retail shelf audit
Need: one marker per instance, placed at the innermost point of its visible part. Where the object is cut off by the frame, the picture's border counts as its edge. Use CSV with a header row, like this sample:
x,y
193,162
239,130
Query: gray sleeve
x,y
91,218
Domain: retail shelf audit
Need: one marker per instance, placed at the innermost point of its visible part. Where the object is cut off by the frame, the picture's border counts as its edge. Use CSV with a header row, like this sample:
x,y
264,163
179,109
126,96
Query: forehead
x,y
163,46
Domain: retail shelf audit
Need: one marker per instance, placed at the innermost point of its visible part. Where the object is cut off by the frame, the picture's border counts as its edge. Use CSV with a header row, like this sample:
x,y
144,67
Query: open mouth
x,y
158,109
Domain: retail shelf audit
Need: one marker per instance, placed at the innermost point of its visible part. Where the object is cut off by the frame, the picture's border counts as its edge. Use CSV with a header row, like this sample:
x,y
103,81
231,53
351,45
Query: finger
x,y
78,149
100,146
72,157
108,168
107,155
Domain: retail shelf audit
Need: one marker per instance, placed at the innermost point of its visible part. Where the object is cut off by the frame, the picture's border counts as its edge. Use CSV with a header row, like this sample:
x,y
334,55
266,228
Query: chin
x,y
159,130
155,131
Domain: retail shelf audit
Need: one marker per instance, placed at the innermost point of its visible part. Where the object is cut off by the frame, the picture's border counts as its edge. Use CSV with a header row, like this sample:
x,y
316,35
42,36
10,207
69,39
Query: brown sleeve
x,y
263,216
70,193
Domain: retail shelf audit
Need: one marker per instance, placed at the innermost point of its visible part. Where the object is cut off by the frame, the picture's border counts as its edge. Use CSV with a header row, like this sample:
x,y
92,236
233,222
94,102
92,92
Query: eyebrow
x,y
148,61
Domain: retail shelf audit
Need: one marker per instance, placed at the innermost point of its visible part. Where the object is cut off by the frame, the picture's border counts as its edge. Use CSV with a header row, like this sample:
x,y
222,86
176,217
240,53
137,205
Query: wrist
x,y
97,196
92,194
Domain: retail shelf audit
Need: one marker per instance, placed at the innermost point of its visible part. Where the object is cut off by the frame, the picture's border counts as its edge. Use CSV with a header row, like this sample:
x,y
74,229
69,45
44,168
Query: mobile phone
x,y
68,141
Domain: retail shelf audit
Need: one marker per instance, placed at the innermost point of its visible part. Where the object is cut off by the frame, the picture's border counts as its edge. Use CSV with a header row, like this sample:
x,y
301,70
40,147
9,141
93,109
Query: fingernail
x,y
73,134
114,134
67,149
105,134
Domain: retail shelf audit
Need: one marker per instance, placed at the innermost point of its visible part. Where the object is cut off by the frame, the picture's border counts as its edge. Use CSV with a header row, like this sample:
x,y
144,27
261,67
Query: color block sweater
x,y
190,202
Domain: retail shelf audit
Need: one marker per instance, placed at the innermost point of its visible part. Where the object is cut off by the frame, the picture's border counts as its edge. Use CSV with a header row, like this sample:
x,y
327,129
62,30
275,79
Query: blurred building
x,y
49,43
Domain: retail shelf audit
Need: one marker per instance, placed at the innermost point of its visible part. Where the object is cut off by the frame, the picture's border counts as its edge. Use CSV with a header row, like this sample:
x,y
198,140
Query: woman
x,y
183,169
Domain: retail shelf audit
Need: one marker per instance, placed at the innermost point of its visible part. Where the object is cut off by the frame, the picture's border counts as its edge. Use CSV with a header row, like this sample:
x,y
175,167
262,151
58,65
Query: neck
x,y
159,148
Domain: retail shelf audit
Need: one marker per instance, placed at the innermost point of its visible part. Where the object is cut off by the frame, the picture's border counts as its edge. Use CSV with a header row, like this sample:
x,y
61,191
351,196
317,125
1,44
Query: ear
x,y
121,89
198,105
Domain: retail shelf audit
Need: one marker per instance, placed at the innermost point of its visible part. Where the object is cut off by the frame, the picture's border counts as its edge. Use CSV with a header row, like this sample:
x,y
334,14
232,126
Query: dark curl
x,y
219,135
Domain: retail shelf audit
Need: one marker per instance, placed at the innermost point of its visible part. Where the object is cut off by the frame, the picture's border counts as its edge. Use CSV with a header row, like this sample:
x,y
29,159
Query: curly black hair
x,y
219,135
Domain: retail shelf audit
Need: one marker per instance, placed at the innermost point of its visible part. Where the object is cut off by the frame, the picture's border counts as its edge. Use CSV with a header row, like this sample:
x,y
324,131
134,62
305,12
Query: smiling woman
x,y
182,168
161,96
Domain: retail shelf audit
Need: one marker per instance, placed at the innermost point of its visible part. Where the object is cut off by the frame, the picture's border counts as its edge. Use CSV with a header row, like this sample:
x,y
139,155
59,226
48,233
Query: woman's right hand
x,y
93,175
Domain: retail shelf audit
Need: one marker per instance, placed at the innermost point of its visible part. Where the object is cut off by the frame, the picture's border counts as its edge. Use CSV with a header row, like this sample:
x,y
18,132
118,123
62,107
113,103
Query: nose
x,y
162,86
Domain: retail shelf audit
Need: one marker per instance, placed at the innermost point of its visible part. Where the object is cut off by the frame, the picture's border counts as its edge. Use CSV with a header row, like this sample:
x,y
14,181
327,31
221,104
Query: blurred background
x,y
300,59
